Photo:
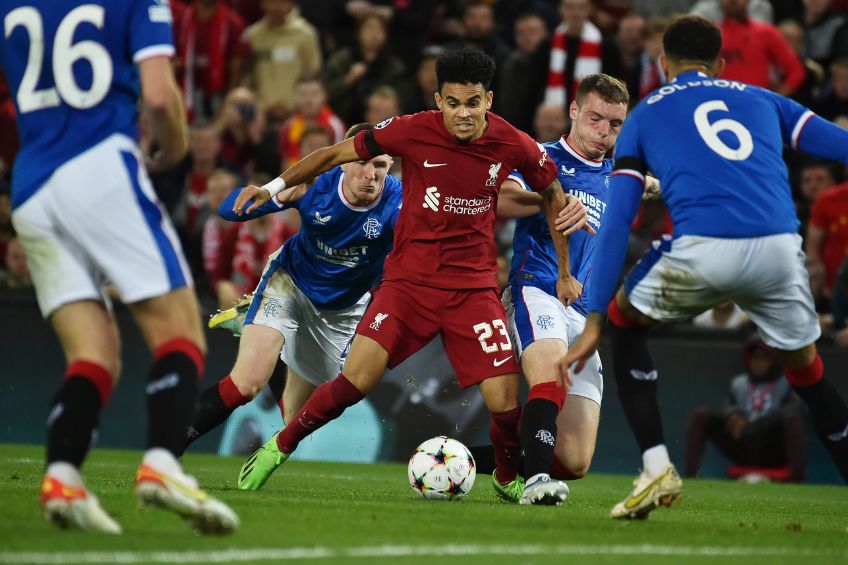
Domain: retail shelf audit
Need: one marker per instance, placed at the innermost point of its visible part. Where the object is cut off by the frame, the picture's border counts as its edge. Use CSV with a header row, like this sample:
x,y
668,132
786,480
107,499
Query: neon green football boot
x,y
259,466
510,492
232,319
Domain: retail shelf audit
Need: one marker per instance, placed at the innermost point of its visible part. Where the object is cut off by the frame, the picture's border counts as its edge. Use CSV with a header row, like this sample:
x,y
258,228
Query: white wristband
x,y
275,186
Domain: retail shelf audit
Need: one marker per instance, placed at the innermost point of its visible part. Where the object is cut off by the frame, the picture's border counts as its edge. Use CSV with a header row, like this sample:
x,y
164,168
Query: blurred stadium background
x,y
269,80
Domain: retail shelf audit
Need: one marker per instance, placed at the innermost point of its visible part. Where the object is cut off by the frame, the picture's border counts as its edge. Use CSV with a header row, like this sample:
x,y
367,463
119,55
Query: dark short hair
x,y
609,88
465,65
692,38
356,128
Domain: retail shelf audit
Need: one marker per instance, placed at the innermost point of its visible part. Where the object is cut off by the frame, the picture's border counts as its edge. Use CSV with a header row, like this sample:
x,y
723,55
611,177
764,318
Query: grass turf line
x,y
347,510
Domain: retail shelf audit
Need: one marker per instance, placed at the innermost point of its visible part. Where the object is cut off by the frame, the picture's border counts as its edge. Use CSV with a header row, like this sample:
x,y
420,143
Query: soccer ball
x,y
442,469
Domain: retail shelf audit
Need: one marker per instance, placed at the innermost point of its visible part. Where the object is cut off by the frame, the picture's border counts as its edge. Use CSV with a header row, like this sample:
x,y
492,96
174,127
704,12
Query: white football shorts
x,y
316,340
97,221
533,314
765,276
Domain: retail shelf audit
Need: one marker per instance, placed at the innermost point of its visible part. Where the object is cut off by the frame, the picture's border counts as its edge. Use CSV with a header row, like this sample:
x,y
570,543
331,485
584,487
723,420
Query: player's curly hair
x,y
692,38
465,65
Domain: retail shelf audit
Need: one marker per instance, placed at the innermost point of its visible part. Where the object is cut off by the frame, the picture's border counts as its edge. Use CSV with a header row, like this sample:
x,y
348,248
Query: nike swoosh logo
x,y
427,164
499,362
632,502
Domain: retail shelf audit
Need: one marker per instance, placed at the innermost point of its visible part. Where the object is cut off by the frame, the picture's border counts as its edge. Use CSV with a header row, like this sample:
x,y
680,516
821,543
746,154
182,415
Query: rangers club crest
x,y
372,228
545,322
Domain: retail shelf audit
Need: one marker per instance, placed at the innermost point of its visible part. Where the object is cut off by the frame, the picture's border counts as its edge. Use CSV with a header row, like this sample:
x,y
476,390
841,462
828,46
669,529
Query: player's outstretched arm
x,y
813,134
227,208
514,201
581,350
303,171
164,104
554,200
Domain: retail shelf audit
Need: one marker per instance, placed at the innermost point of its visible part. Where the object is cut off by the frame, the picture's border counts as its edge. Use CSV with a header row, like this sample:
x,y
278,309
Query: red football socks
x,y
506,440
327,403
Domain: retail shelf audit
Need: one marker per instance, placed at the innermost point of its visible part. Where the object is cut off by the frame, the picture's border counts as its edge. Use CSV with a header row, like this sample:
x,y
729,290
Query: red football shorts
x,y
404,317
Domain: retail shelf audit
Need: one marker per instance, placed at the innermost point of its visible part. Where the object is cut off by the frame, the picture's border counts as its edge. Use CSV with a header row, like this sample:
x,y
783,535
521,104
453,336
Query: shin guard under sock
x,y
539,427
214,405
506,441
171,393
637,384
327,403
827,410
75,410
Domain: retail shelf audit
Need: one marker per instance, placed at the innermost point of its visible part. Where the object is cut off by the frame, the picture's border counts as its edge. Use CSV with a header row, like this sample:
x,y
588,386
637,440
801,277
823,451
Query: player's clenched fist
x,y
569,290
573,217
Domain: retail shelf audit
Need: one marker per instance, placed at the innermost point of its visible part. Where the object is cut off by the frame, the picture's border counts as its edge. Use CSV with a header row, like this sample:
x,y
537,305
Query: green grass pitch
x,y
333,512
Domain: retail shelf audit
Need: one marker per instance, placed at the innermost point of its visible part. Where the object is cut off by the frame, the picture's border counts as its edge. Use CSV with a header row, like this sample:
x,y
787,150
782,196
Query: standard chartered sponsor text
x,y
467,206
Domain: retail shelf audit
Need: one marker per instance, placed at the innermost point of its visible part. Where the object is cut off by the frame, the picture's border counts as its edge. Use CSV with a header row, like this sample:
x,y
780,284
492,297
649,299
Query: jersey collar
x,y
688,75
353,207
565,145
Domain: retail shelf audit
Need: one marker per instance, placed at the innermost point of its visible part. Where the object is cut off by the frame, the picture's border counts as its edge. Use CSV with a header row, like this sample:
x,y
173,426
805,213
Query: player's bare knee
x,y
500,393
567,466
579,471
247,387
363,379
798,358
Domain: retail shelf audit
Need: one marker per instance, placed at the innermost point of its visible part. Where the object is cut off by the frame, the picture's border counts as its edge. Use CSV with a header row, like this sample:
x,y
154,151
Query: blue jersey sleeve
x,y
627,183
150,33
519,178
629,155
803,129
393,191
822,138
611,242
225,210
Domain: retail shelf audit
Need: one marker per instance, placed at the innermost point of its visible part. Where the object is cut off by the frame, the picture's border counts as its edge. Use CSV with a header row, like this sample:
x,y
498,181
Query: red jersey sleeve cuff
x,y
360,146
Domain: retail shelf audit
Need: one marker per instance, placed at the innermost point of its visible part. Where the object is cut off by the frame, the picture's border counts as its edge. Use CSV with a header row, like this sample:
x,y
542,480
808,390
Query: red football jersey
x,y
444,236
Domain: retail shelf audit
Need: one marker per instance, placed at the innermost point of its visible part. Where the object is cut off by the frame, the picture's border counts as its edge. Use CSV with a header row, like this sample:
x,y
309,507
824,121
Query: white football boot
x,y
161,482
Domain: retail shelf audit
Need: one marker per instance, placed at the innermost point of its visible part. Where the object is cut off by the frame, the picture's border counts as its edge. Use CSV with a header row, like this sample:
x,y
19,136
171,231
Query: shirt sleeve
x,y
225,210
150,32
629,157
536,168
516,176
627,183
803,129
389,136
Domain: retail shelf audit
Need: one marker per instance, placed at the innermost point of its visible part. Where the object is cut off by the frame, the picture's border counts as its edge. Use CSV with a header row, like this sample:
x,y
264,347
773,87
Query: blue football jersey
x,y
337,256
534,260
71,68
716,147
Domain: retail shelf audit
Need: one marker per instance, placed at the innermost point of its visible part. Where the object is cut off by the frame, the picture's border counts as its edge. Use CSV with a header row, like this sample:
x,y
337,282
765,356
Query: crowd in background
x,y
268,81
